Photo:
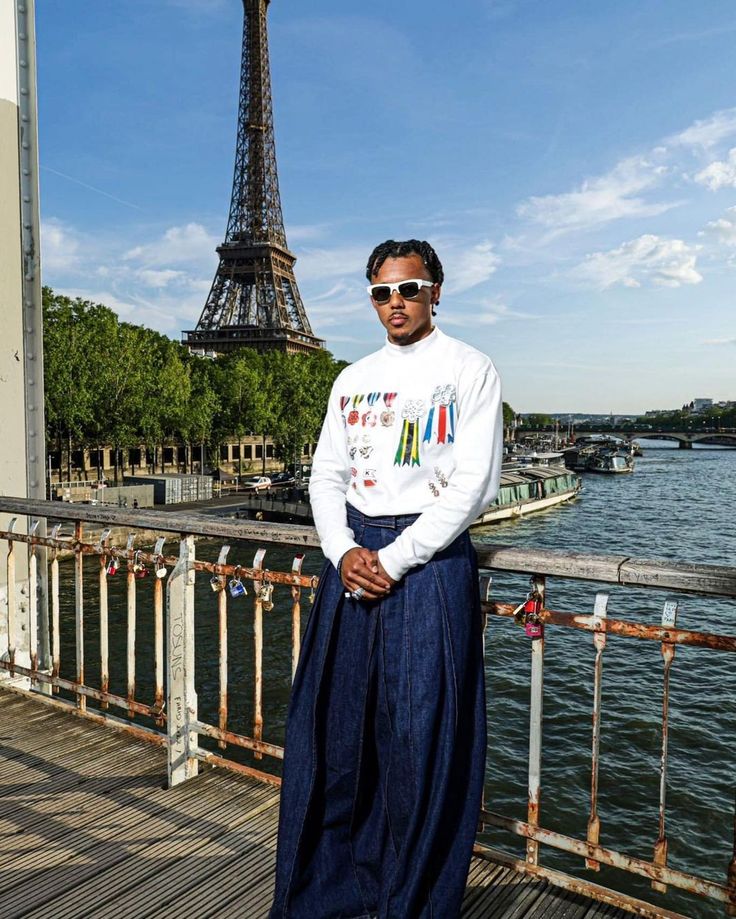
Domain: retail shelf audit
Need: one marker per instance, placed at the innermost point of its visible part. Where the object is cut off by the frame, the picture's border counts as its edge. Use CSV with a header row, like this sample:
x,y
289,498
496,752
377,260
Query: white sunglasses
x,y
407,290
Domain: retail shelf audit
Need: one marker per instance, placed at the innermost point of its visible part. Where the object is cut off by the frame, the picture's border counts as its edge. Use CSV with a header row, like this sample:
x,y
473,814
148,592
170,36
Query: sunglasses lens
x,y
381,293
409,290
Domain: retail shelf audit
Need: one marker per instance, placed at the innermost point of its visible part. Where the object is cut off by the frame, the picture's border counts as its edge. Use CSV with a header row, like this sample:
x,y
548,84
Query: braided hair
x,y
393,249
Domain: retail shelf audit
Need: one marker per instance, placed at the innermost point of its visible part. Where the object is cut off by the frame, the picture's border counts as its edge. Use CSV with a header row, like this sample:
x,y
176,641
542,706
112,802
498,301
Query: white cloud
x,y
648,259
720,173
720,341
604,198
318,264
489,312
467,266
188,245
152,277
60,246
708,131
724,229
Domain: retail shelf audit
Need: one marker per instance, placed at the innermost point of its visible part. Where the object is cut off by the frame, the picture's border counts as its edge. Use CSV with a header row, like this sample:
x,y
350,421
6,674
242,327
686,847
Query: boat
x,y
528,488
611,461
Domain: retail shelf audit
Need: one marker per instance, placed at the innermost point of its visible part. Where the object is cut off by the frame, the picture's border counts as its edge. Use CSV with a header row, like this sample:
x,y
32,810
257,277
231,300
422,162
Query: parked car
x,y
282,478
257,483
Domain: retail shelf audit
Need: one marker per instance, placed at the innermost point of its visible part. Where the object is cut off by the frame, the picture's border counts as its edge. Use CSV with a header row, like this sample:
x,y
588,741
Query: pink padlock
x,y
534,629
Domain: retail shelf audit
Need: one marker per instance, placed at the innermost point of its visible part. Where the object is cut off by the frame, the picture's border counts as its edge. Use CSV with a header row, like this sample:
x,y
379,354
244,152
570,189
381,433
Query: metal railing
x,y
173,708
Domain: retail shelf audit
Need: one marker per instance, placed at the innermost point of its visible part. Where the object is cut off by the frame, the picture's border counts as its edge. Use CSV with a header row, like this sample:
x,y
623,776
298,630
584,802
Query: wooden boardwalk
x,y
88,829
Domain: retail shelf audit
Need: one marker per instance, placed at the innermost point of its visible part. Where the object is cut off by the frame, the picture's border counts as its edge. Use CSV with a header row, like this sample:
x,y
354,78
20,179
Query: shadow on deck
x,y
88,828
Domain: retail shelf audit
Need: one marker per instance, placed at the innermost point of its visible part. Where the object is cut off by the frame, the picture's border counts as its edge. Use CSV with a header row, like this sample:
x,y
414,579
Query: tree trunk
x,y
163,459
115,463
99,462
69,457
263,455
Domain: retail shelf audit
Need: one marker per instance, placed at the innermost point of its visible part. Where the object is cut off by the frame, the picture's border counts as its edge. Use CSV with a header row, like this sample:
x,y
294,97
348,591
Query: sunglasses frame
x,y
394,287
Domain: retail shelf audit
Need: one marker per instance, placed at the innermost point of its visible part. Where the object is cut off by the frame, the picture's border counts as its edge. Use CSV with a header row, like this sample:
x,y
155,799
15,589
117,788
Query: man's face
x,y
406,321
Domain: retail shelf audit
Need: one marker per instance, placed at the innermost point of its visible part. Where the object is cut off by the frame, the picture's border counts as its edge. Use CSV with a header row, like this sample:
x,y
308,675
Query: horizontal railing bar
x,y
662,574
577,885
82,689
239,740
167,522
150,558
623,628
213,759
680,879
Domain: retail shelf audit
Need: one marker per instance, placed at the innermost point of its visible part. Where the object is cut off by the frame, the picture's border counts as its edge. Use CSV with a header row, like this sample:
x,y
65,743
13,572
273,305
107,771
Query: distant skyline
x,y
574,166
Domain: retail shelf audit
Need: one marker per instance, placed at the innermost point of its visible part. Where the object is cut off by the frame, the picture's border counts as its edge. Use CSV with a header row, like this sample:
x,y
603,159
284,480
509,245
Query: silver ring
x,y
358,593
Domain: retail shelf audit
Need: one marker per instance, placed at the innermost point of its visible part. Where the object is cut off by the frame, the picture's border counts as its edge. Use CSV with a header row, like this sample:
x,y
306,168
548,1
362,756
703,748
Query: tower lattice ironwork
x,y
254,300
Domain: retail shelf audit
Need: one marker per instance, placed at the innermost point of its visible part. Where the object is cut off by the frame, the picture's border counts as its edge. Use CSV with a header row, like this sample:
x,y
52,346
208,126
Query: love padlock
x,y
112,567
237,588
533,625
161,571
216,584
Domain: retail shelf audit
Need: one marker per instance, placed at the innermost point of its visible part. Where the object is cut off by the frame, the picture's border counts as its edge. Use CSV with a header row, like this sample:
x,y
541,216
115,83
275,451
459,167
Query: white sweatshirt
x,y
412,429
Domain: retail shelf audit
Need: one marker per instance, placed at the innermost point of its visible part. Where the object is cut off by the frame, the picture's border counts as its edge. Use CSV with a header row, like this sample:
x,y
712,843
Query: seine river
x,y
678,504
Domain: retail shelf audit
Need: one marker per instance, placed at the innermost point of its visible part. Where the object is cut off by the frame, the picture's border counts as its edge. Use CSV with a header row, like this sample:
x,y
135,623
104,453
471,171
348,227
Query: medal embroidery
x,y
407,452
357,400
344,401
369,419
353,417
388,418
373,398
388,398
443,409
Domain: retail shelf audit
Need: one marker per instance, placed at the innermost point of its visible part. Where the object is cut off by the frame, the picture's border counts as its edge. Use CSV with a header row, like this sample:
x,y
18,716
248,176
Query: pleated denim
x,y
385,744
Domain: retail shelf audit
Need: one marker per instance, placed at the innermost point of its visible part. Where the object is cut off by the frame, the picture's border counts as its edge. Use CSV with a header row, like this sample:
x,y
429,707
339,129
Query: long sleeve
x,y
329,483
474,483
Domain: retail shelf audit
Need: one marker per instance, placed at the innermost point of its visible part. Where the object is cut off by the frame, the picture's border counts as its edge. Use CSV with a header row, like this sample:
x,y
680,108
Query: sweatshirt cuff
x,y
336,546
392,561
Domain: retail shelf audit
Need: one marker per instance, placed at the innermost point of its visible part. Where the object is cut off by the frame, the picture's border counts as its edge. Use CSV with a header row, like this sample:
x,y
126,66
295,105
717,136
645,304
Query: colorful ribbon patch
x,y
407,452
443,409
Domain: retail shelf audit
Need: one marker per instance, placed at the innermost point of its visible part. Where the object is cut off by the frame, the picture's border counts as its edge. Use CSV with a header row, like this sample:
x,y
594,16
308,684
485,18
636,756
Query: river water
x,y
678,504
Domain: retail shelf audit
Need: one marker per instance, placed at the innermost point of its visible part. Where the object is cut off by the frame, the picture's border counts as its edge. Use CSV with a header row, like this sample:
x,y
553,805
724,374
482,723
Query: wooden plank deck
x,y
88,829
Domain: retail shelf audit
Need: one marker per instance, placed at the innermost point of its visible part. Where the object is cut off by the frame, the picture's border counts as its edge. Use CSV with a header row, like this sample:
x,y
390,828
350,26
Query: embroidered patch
x,y
441,477
442,414
357,400
373,397
433,488
366,451
352,451
388,418
388,398
353,417
369,419
344,401
353,472
407,452
369,478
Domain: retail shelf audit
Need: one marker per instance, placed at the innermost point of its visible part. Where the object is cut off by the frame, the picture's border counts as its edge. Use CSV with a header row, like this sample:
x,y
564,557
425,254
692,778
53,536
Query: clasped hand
x,y
361,568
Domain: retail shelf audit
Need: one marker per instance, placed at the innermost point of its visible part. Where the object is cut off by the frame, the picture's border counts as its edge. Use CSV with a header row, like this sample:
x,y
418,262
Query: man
x,y
386,737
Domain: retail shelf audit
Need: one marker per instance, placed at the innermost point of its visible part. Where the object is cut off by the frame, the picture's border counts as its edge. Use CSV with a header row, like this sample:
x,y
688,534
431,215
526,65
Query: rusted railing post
x,y
258,653
535,729
55,620
130,593
104,624
181,696
158,628
731,875
296,613
669,621
79,609
222,645
600,611
12,624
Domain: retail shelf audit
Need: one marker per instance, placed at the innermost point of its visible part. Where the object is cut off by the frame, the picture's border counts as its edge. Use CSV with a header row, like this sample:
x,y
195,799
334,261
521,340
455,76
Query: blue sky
x,y
573,163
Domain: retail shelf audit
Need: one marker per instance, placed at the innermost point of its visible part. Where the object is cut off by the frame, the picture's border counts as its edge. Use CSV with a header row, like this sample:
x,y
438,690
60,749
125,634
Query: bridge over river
x,y
684,439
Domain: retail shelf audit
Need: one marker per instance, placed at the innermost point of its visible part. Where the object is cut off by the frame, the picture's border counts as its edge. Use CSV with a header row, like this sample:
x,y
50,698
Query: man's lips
x,y
397,319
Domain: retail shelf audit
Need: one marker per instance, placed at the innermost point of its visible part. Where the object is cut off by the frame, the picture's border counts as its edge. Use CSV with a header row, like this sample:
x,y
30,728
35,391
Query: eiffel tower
x,y
254,300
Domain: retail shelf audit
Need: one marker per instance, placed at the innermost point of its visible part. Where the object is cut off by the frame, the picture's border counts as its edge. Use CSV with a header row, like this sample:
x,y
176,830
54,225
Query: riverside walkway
x,y
88,828
171,804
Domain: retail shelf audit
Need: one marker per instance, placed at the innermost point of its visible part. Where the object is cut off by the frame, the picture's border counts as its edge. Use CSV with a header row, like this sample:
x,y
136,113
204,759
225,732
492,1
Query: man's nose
x,y
396,300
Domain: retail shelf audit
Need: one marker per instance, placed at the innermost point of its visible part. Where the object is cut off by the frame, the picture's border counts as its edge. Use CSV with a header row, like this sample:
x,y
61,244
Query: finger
x,y
366,576
367,585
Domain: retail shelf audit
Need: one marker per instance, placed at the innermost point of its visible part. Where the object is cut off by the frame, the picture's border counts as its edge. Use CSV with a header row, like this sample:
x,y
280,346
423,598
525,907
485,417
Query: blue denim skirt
x,y
385,744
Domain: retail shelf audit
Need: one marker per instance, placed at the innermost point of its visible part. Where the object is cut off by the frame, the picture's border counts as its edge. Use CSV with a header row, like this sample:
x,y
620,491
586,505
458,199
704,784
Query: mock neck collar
x,y
418,347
